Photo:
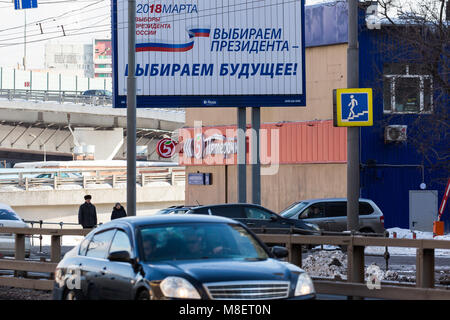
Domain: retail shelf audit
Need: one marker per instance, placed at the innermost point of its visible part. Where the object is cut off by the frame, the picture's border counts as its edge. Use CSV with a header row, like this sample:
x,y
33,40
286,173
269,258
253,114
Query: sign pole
x,y
131,110
352,132
241,155
256,165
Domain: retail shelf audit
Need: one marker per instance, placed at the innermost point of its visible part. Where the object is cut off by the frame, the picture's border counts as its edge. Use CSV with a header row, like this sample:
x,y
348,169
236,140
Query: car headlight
x,y
304,285
314,226
176,287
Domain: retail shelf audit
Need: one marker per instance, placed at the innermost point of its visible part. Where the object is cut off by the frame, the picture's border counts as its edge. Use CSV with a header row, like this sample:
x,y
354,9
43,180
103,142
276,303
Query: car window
x,y
365,208
44,175
199,241
98,247
64,175
336,209
200,211
293,209
121,242
314,211
233,212
83,246
8,215
256,213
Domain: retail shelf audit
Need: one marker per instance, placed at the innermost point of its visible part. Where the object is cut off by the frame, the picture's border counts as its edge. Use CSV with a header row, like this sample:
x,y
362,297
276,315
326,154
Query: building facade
x,y
393,173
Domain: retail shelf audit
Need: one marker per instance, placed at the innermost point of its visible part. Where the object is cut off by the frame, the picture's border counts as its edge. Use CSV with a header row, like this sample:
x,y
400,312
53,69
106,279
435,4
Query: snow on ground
x,y
407,234
326,264
399,251
333,265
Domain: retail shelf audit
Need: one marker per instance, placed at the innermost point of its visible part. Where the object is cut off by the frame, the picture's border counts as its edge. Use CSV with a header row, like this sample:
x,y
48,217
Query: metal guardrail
x,y
112,177
22,266
56,96
354,286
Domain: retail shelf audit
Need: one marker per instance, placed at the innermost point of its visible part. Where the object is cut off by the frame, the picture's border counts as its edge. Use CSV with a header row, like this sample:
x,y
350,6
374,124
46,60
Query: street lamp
x,y
42,144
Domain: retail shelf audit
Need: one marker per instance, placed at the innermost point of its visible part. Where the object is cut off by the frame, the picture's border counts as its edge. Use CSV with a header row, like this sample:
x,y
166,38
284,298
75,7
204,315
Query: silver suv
x,y
331,214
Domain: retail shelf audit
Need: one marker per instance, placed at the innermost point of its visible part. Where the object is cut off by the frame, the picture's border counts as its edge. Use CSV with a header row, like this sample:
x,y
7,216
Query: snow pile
x,y
326,264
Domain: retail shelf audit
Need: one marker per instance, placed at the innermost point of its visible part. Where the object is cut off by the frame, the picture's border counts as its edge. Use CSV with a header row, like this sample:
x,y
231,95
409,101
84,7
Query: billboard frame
x,y
206,101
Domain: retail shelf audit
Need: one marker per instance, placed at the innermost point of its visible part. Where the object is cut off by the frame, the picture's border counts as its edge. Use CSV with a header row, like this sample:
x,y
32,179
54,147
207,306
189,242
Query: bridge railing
x,y
112,177
54,95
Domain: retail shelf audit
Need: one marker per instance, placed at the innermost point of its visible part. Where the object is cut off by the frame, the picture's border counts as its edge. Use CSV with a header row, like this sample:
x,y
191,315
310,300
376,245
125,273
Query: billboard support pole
x,y
241,155
131,111
352,132
255,162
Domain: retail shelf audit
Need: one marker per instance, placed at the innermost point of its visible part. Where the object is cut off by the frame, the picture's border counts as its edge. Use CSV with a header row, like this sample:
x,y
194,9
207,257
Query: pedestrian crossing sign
x,y
352,107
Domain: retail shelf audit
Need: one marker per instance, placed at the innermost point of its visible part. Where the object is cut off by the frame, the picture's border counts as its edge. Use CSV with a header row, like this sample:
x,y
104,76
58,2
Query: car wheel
x,y
73,295
143,295
366,230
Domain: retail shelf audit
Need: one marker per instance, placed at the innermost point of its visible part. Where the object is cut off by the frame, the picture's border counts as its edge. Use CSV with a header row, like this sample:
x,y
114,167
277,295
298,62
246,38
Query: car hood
x,y
219,270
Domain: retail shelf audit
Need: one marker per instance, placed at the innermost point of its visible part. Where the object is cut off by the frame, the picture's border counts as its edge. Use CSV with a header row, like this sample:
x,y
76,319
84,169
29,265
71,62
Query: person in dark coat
x,y
118,212
87,214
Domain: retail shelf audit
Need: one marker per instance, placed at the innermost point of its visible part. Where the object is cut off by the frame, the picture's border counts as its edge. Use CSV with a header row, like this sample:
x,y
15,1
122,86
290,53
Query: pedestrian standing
x,y
87,214
118,212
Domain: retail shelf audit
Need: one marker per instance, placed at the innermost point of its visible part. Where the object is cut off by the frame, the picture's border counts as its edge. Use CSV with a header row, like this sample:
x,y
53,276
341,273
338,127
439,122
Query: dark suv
x,y
257,218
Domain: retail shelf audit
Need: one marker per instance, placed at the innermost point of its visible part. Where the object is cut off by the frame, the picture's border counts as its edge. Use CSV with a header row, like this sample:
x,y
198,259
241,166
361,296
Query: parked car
x,y
177,257
97,93
257,217
10,219
175,210
331,214
60,174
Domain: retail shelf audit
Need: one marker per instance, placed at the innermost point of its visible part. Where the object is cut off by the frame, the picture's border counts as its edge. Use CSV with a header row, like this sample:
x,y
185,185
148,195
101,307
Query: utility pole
x,y
131,110
25,40
241,155
352,132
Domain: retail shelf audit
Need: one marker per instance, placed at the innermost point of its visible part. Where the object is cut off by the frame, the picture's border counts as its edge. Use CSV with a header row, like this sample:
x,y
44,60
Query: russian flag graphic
x,y
171,47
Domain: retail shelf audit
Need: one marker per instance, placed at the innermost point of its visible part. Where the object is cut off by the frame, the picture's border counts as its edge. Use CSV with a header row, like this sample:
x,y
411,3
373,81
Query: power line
x,y
119,27
58,16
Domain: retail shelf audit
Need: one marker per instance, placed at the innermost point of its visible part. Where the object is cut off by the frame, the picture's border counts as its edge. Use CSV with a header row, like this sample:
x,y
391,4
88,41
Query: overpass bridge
x,y
31,129
56,198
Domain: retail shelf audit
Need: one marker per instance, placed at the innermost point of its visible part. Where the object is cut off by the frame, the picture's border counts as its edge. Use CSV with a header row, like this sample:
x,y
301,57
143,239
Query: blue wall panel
x,y
389,186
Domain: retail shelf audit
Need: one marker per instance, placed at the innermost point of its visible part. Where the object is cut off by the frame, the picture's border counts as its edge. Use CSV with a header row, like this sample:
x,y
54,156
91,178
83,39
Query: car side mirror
x,y
273,217
279,252
120,256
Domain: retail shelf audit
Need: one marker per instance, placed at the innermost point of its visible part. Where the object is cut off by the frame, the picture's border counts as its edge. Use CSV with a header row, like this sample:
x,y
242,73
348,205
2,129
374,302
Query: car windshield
x,y
8,215
293,209
199,241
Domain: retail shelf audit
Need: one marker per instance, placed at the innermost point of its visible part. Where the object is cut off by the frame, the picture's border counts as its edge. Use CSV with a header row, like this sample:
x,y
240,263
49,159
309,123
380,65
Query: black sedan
x,y
258,218
177,257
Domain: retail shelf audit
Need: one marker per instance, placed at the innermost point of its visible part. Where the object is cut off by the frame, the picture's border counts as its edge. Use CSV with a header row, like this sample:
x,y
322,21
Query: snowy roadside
x,y
332,264
399,251
408,234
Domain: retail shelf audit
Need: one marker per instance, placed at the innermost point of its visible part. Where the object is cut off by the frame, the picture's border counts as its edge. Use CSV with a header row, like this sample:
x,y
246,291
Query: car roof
x,y
162,219
7,207
229,205
331,199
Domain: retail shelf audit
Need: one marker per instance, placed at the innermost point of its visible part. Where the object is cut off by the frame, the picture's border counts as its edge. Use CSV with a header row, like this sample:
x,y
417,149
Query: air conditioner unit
x,y
395,133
